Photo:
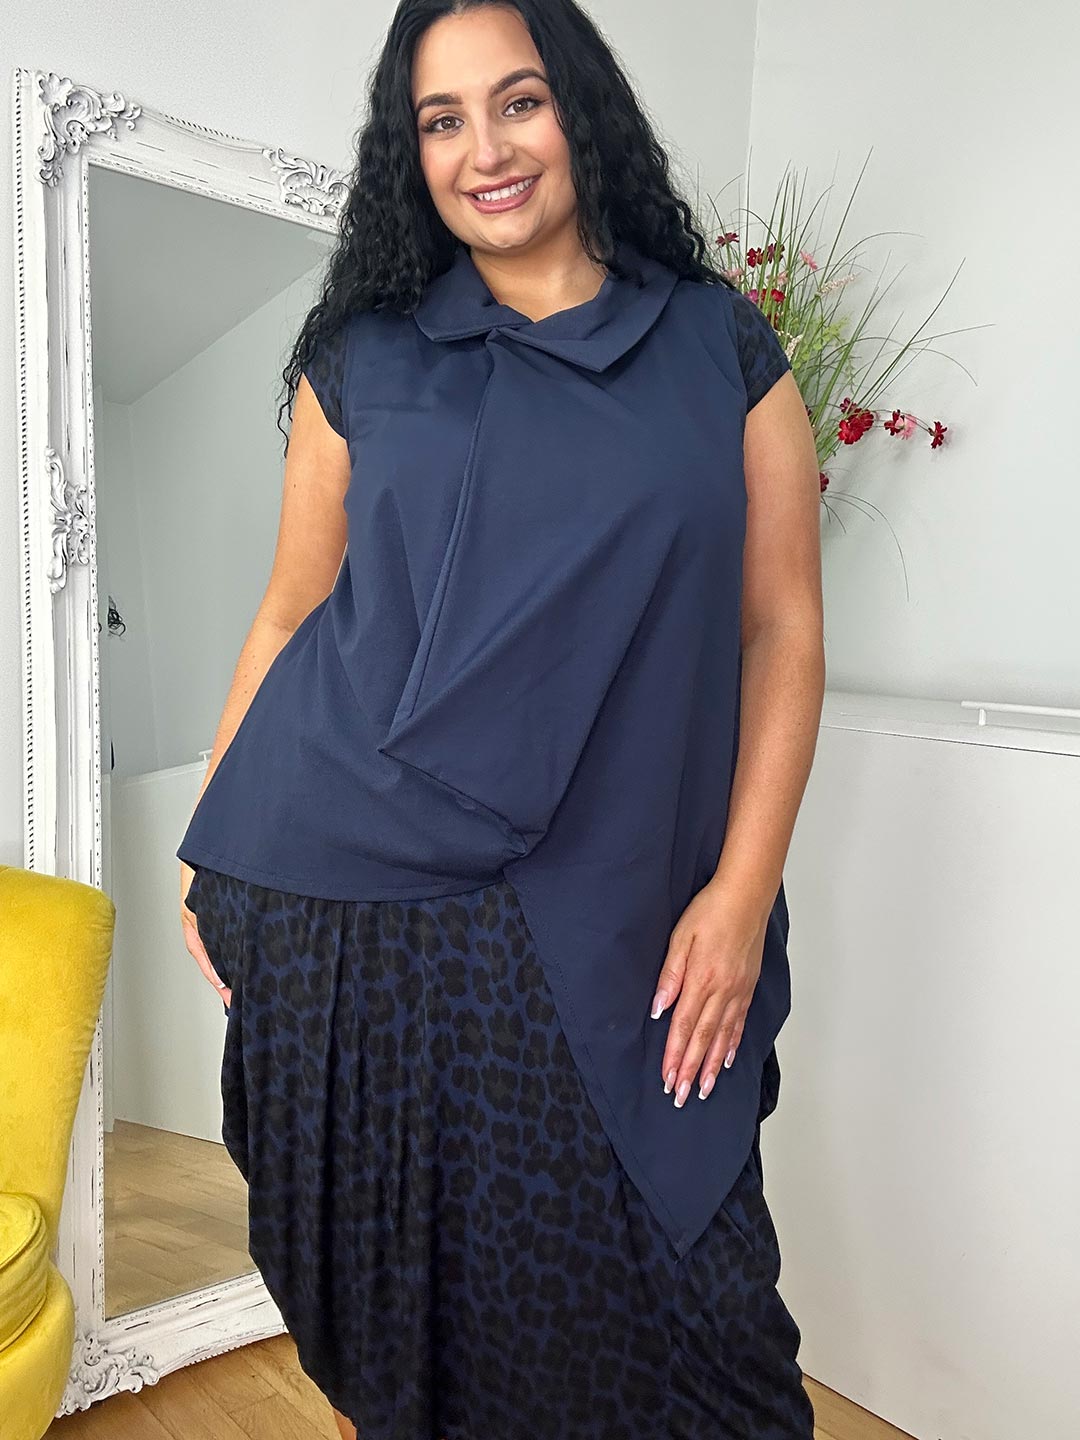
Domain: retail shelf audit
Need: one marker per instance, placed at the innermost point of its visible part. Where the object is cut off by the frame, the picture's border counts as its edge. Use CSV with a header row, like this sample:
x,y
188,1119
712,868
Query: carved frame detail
x,y
60,128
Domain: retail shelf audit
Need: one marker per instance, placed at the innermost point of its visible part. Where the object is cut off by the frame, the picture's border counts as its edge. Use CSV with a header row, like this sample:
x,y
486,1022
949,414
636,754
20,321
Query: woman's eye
x,y
436,125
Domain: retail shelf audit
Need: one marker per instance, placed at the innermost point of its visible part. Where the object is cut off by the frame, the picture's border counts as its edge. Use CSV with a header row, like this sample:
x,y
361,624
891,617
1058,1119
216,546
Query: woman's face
x,y
472,139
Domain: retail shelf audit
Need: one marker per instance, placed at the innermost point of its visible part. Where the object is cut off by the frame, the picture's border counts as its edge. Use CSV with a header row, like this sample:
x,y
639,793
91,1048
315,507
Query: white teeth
x,y
505,192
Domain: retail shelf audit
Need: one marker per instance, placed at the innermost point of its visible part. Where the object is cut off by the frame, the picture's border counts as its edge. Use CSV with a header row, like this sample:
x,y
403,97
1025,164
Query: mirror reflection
x,y
194,304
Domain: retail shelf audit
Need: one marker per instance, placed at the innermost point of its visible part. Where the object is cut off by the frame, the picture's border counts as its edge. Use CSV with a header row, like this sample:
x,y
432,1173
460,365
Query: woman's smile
x,y
505,197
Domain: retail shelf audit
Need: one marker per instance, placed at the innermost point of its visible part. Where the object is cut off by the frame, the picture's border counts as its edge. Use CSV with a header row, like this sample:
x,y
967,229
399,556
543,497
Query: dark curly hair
x,y
392,240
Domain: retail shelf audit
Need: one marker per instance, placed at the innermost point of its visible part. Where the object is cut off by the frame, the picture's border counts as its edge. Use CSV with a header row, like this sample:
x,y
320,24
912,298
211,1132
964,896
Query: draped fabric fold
x,y
533,655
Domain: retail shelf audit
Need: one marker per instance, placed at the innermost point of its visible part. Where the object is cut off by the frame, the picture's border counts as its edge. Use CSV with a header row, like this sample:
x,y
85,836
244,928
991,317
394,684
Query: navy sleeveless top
x,y
529,666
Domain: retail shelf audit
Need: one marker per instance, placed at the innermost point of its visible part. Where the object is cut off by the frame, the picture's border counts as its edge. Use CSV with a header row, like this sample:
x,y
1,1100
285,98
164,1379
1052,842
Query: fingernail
x,y
669,1082
706,1086
681,1093
660,1000
729,1059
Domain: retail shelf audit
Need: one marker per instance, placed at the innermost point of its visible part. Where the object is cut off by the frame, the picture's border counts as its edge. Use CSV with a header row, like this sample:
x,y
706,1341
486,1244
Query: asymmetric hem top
x,y
529,665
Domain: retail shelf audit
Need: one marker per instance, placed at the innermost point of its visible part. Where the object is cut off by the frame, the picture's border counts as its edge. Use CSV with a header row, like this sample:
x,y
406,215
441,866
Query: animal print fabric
x,y
435,1207
762,357
325,373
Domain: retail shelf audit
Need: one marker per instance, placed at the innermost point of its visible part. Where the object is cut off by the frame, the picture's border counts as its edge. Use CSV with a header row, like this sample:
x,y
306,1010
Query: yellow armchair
x,y
56,938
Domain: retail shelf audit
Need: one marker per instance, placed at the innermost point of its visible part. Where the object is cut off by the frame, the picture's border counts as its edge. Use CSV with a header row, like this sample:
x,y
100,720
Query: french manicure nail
x,y
659,1004
729,1059
681,1093
706,1086
669,1082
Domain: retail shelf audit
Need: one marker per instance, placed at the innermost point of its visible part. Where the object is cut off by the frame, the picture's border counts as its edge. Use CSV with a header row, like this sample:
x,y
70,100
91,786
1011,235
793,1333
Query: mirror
x,y
163,270
194,305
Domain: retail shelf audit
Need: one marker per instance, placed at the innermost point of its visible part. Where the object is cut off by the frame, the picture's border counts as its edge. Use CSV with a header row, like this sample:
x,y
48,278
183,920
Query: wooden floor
x,y
260,1391
175,1216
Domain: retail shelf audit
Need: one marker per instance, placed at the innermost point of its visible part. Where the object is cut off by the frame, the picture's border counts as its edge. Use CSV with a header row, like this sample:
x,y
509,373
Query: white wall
x,y
268,73
188,518
972,114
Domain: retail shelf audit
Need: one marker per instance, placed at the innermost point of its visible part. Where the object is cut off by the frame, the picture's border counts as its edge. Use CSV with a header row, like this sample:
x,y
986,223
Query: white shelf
x,y
923,719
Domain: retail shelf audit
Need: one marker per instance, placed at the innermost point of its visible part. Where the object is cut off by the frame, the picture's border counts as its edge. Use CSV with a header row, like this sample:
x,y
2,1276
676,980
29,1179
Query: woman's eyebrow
x,y
448,98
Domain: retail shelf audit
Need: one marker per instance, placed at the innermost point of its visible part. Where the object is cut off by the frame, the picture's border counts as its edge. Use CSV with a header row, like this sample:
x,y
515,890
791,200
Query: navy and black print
x,y
325,374
762,358
434,1204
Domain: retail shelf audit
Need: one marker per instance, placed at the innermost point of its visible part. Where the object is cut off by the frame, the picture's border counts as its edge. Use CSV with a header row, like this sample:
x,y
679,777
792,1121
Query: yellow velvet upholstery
x,y
56,939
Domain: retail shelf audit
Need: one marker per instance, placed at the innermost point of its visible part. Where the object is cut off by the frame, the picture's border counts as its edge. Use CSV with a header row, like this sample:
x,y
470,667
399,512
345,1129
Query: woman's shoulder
x,y
376,335
725,309
343,358
762,357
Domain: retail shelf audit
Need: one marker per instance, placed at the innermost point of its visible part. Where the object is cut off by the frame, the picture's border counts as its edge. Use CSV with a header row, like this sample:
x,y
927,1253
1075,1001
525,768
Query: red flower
x,y
824,480
726,237
753,256
938,435
895,424
855,424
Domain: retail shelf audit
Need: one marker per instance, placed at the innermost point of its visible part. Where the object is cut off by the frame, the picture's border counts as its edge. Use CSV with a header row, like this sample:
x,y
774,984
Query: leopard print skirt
x,y
435,1207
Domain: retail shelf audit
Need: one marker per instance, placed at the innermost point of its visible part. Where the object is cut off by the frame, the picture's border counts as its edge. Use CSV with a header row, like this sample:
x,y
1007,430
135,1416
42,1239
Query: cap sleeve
x,y
761,355
325,373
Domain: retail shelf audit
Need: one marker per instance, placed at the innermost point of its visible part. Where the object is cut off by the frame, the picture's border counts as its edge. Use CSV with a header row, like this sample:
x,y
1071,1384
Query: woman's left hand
x,y
712,964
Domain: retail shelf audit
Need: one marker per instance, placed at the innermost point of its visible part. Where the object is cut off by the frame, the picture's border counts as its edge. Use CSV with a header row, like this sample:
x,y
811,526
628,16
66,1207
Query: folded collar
x,y
594,334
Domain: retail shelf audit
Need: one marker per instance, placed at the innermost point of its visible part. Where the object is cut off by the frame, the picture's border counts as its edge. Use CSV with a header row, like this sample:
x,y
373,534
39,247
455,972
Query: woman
x,y
474,824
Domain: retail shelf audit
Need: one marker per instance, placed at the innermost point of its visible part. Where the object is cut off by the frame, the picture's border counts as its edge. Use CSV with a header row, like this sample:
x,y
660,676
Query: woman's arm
x,y
715,952
311,539
310,544
783,651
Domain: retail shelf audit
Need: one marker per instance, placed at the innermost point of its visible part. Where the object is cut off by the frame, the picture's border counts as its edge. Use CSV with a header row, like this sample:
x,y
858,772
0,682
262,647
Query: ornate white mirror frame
x,y
60,128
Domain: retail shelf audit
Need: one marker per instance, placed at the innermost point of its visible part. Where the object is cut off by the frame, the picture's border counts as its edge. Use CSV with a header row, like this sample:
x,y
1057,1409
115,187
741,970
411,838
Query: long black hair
x,y
392,240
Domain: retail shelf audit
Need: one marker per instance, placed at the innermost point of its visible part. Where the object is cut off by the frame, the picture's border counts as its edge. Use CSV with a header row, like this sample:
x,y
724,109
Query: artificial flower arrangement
x,y
802,299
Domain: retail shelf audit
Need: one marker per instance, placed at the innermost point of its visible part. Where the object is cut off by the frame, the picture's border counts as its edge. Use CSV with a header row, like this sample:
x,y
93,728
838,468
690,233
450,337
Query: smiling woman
x,y
456,844
483,136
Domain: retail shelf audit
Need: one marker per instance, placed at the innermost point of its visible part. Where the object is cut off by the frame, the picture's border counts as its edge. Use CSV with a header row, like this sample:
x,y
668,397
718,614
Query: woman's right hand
x,y
191,936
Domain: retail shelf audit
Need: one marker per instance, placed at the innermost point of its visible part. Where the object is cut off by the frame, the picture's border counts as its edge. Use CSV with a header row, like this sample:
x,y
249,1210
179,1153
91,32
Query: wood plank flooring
x,y
175,1216
259,1392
